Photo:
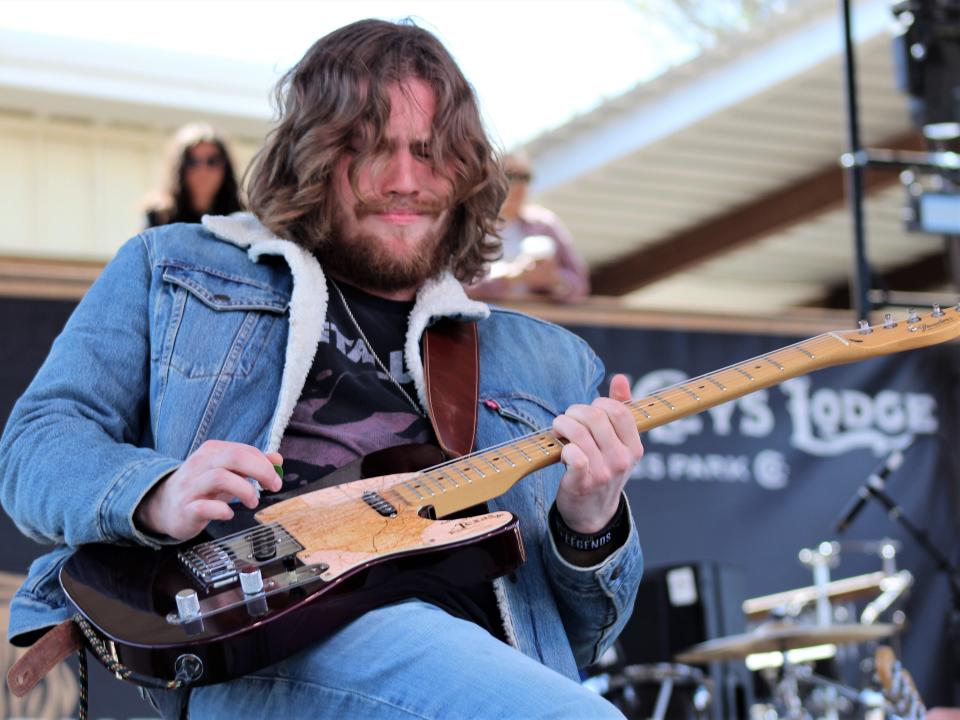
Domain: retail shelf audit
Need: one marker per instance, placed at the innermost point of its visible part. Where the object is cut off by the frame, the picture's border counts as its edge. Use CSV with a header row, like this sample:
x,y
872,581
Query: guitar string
x,y
678,392
520,446
533,441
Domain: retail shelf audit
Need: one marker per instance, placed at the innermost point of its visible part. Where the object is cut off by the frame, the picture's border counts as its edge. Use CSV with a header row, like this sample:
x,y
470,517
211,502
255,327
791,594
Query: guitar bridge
x,y
217,563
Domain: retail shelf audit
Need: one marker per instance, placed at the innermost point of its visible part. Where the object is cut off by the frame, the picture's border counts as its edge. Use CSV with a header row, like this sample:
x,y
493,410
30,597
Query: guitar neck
x,y
482,476
707,391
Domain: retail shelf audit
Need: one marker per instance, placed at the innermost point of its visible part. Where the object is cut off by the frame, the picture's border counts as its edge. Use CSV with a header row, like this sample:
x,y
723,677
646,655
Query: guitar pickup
x,y
217,563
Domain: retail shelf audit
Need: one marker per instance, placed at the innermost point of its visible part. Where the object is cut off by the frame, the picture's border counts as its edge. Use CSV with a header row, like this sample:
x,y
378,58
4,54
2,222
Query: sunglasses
x,y
519,177
213,161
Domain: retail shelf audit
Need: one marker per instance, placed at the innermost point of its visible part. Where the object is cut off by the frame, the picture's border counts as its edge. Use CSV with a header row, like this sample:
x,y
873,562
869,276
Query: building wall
x,y
73,190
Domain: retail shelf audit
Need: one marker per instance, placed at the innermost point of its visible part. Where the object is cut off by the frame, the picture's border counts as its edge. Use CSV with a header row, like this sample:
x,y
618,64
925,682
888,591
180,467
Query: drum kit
x,y
797,644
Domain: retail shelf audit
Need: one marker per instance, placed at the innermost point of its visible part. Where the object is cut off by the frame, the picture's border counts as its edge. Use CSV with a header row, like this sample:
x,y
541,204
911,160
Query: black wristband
x,y
587,543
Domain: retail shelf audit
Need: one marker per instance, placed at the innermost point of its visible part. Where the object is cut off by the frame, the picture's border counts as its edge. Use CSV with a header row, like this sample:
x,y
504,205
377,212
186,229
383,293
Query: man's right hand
x,y
200,490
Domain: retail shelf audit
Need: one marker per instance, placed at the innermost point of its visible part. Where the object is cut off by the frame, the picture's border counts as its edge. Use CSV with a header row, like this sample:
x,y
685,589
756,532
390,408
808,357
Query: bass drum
x,y
658,691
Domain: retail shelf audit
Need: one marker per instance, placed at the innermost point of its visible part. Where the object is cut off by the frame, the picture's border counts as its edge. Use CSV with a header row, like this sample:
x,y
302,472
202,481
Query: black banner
x,y
752,482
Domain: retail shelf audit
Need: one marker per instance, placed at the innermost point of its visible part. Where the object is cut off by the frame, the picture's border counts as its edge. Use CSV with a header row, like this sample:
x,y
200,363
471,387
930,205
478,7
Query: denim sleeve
x,y
71,470
595,602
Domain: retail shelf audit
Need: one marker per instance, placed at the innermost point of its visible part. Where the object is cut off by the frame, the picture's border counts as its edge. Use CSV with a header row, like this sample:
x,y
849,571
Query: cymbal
x,y
780,636
842,590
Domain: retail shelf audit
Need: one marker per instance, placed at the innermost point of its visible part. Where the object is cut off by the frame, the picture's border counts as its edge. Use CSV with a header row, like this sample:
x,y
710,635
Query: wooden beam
x,y
924,273
46,277
775,212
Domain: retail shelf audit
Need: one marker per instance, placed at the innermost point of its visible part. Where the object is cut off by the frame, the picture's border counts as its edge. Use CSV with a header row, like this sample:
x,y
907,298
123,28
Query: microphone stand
x,y
896,513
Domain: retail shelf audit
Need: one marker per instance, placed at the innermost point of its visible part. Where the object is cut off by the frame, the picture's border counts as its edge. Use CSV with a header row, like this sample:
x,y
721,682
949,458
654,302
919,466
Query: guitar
x,y
898,687
212,610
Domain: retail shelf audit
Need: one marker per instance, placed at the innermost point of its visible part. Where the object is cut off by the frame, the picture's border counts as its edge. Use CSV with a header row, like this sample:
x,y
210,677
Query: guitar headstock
x,y
898,687
915,330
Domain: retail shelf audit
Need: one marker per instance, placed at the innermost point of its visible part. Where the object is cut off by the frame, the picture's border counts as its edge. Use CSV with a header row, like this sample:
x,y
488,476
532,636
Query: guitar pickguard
x,y
339,528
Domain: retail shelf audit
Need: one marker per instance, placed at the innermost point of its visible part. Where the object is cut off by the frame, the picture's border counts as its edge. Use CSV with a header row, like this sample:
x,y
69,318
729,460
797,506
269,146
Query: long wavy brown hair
x,y
339,90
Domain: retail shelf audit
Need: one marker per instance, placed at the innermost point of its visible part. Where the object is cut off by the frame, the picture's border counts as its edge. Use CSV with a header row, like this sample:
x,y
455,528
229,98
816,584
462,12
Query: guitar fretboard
x,y
481,476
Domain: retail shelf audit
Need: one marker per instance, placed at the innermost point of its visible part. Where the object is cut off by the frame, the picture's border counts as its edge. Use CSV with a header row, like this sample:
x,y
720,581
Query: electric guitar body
x,y
324,558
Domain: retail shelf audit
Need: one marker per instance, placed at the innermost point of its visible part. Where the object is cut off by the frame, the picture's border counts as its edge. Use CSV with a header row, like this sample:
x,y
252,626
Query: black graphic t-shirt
x,y
350,408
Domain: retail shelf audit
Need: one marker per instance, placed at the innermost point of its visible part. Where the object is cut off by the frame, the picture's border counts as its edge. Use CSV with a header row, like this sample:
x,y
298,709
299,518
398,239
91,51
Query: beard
x,y
361,259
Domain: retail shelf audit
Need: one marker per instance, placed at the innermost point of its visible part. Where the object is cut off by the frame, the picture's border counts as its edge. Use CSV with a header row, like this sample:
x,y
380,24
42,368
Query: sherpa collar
x,y
440,297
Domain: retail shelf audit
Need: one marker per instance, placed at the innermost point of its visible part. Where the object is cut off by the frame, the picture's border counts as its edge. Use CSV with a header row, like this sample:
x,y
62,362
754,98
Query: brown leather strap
x,y
42,656
451,366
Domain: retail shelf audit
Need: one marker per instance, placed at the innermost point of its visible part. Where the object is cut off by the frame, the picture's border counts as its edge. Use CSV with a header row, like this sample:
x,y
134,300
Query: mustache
x,y
421,207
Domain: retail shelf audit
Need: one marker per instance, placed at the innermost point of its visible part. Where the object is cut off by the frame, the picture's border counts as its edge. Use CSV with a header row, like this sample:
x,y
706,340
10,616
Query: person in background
x,y
539,259
199,179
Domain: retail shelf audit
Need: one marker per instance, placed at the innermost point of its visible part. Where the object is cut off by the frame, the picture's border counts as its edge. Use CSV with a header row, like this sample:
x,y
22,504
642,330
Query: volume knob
x,y
188,604
251,581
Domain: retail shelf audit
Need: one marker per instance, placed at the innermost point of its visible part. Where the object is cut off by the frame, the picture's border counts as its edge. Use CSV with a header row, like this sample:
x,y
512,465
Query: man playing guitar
x,y
206,354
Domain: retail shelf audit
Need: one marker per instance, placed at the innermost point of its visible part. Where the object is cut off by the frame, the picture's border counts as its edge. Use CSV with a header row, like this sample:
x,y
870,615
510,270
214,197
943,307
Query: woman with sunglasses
x,y
199,179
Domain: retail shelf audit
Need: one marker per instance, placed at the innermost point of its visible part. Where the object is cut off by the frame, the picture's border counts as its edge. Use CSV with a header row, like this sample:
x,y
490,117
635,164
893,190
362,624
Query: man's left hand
x,y
604,445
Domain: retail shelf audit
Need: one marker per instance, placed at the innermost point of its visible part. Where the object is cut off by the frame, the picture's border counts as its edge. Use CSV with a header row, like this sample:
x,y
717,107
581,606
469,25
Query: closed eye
x,y
421,151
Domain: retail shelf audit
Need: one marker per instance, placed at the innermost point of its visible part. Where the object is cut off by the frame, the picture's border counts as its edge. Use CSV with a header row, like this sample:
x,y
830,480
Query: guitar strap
x,y
451,368
43,655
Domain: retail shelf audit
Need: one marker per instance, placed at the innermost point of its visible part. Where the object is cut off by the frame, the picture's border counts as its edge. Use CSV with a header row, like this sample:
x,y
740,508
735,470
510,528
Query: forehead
x,y
412,106
203,148
515,165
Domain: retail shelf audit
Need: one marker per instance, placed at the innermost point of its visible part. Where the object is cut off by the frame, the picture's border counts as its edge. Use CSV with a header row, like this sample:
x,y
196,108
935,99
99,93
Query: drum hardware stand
x,y
663,699
786,689
884,548
868,699
667,675
893,586
820,561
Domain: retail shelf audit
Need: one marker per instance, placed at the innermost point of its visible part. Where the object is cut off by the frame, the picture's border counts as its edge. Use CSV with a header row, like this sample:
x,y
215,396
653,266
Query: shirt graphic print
x,y
349,407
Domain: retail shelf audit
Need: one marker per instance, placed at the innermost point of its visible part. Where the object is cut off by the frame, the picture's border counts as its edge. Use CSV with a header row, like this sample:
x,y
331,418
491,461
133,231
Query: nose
x,y
399,176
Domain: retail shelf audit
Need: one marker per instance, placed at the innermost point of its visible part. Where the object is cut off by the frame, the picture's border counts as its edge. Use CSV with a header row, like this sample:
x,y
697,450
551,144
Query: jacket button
x,y
512,577
222,298
616,572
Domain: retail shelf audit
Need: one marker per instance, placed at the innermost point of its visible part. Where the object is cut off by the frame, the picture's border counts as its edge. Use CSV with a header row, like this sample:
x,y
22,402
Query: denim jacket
x,y
208,332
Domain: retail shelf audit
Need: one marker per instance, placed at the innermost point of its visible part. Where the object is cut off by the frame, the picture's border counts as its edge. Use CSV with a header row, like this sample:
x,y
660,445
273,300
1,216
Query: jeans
x,y
409,660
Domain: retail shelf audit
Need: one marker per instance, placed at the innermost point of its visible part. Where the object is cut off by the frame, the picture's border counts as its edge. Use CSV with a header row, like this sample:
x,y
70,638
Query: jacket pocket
x,y
217,323
523,410
524,414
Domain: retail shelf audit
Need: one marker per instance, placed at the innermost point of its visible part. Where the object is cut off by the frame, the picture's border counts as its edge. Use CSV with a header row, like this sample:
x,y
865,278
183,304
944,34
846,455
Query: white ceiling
x,y
730,155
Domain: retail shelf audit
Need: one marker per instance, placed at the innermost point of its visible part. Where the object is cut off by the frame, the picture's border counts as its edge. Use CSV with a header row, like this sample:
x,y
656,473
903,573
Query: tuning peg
x,y
937,312
888,322
865,328
912,316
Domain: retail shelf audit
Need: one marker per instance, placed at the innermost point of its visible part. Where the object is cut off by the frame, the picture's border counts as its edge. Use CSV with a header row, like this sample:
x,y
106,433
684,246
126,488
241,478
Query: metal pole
x,y
854,178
